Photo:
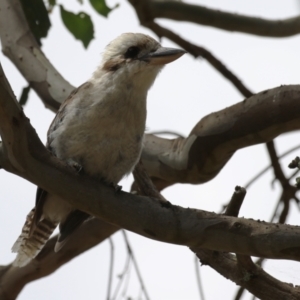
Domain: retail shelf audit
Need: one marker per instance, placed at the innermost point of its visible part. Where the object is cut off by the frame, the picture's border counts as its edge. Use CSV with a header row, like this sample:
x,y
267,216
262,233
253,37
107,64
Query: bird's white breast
x,y
103,130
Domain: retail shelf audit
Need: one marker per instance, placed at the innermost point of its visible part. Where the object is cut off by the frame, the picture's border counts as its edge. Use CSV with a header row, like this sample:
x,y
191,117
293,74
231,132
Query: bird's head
x,y
137,56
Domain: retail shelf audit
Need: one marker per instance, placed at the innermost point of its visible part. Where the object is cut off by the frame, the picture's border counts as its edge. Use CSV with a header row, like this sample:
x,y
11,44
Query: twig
x,y
239,293
122,276
199,282
181,11
264,170
197,51
236,202
288,191
233,209
135,265
111,268
127,279
145,184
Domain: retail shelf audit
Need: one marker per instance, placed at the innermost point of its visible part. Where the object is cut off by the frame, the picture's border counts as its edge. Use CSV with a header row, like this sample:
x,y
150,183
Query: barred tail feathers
x,y
32,239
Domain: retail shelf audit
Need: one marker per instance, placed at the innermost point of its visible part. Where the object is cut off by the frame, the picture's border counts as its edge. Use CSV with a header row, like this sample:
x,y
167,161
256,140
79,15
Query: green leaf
x,y
101,7
24,95
80,25
37,18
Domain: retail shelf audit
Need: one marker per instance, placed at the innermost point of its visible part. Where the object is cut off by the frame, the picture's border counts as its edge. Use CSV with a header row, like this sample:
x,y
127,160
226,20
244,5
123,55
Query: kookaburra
x,y
99,128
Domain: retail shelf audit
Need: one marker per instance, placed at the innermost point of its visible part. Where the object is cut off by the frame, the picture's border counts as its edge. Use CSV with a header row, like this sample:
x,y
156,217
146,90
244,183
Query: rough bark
x,y
212,142
19,45
23,154
13,279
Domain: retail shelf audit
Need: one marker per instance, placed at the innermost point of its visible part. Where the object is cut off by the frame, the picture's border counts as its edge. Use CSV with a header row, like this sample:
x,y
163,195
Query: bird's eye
x,y
132,52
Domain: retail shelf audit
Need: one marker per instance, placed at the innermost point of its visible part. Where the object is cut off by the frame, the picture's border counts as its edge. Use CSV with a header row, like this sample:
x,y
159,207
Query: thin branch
x,y
122,276
111,268
127,279
236,202
144,183
135,213
199,282
261,284
90,234
247,274
288,191
239,293
197,51
180,11
264,170
135,265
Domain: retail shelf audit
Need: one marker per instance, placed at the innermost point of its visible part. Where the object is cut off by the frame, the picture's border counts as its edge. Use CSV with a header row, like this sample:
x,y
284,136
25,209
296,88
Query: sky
x,y
184,92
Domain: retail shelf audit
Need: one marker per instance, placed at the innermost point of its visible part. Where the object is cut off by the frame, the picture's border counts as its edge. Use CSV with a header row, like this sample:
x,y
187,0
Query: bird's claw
x,y
75,165
118,188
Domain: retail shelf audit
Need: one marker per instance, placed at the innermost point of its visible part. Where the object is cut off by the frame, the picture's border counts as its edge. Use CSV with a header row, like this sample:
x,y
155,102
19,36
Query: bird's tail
x,y
32,239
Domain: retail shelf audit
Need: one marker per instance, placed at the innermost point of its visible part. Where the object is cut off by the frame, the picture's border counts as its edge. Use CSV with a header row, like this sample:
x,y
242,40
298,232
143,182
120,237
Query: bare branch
x,y
241,268
19,45
181,11
288,191
214,140
144,183
13,279
199,282
170,161
197,51
130,251
259,283
111,268
173,224
236,202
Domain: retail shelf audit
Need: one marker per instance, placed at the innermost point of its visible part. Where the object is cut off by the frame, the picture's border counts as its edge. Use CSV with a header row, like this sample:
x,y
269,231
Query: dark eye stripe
x,y
132,52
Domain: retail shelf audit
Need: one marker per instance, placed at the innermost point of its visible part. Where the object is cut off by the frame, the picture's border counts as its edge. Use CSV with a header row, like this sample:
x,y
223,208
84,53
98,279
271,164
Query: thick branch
x,y
173,224
260,283
240,268
181,11
19,45
214,140
13,279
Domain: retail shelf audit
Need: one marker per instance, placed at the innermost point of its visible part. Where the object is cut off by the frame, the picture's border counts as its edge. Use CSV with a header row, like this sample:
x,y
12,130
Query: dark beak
x,y
162,56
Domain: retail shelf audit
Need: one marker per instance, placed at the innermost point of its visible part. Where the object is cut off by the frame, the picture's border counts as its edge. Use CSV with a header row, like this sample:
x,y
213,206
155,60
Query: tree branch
x,y
90,234
260,284
199,157
214,139
240,268
19,45
201,15
173,224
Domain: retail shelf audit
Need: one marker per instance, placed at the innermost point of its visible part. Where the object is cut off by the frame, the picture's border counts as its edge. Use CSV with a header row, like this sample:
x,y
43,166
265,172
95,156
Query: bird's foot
x,y
75,165
118,188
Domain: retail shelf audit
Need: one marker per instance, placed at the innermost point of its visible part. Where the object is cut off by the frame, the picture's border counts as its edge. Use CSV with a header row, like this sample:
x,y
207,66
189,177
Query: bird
x,y
97,130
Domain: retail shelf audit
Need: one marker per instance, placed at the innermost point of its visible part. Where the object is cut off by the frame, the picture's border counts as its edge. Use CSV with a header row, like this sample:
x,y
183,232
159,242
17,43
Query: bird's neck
x,y
126,95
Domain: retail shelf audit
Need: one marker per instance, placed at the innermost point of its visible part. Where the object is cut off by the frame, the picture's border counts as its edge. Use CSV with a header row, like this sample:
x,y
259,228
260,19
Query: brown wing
x,y
76,218
40,193
61,114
